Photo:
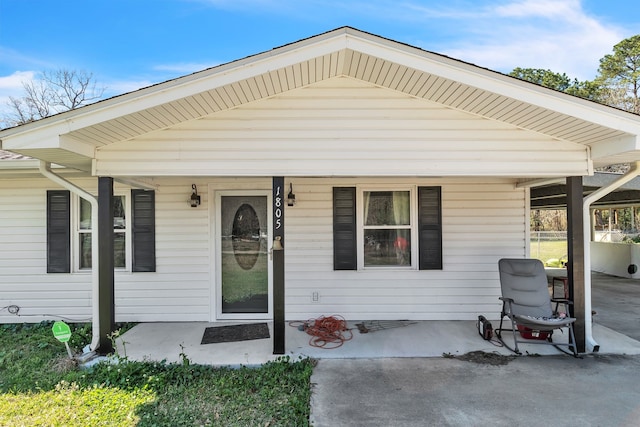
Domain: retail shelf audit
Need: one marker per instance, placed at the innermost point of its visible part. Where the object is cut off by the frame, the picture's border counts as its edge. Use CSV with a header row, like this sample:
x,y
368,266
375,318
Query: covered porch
x,y
167,341
613,327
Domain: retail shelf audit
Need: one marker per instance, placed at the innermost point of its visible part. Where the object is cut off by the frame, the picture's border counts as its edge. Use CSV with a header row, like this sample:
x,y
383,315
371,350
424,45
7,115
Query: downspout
x,y
592,345
45,169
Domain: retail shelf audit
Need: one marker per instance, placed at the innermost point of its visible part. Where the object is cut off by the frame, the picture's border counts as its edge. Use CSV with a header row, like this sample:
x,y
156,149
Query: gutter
x,y
592,345
45,169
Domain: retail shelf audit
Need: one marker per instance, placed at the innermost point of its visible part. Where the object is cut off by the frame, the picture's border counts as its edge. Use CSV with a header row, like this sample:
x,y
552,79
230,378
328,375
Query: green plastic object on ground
x,y
61,331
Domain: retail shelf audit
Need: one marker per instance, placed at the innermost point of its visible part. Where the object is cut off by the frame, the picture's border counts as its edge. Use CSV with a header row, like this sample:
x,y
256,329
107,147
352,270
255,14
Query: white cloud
x,y
11,86
500,35
543,8
552,34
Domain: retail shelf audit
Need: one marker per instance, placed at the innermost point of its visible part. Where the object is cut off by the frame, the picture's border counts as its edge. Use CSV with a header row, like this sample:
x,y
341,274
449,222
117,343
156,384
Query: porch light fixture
x,y
291,198
194,201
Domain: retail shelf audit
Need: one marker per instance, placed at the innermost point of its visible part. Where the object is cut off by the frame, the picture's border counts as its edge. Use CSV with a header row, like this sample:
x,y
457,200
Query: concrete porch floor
x,y
167,341
616,300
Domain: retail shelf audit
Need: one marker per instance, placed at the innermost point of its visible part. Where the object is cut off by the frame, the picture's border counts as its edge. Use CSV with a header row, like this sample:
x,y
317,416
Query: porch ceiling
x,y
343,52
554,196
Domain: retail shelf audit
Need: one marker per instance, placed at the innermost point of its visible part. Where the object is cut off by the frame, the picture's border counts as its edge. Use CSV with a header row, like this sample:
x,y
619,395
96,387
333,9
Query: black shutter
x,y
430,227
143,231
344,228
58,231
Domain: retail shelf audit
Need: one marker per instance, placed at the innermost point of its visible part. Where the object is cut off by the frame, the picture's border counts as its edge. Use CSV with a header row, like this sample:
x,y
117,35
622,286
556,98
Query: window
x,y
386,224
58,232
134,240
84,233
398,228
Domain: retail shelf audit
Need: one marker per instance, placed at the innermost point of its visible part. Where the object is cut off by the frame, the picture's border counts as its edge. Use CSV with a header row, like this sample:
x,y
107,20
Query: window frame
x,y
413,226
76,231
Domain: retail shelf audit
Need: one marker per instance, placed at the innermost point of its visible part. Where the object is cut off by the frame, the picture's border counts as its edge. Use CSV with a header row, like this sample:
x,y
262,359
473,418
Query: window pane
x,y
387,247
85,215
386,208
118,212
85,250
119,253
119,239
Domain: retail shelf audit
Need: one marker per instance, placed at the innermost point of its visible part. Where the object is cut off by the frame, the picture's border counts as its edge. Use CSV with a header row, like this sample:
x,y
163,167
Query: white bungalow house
x,y
411,173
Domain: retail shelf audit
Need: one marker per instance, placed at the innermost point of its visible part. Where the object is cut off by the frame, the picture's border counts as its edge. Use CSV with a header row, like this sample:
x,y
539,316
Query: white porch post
x,y
588,201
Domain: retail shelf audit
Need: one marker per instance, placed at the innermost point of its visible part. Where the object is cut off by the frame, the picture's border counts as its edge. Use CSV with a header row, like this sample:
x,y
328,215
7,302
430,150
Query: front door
x,y
244,268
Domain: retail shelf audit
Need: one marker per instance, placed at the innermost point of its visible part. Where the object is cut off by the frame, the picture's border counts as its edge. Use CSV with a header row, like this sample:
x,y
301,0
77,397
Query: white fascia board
x,y
190,85
19,164
498,83
75,146
43,137
614,147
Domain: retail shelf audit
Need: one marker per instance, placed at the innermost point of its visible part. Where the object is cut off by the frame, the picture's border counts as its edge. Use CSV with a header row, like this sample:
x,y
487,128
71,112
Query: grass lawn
x,y
40,386
545,250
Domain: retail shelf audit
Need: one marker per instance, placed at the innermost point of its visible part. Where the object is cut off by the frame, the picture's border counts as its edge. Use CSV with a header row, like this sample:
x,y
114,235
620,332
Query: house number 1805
x,y
277,204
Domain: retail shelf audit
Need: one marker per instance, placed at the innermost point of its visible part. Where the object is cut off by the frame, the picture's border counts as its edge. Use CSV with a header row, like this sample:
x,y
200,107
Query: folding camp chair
x,y
527,304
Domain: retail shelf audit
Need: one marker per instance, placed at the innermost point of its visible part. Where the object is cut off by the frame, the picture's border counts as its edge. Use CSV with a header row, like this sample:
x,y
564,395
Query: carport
x,y
579,196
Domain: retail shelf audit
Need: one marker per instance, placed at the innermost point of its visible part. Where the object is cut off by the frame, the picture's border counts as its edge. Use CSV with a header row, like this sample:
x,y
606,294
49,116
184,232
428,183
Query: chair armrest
x,y
505,299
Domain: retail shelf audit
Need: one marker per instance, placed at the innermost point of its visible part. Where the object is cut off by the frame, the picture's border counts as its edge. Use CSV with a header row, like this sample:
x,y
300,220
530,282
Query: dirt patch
x,y
64,364
484,358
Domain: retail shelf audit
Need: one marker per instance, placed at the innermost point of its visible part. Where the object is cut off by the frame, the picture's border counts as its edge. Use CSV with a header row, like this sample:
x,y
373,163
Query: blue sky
x,y
128,44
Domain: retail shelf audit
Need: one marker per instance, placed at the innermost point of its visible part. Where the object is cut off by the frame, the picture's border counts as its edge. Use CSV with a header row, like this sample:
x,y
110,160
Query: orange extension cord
x,y
326,332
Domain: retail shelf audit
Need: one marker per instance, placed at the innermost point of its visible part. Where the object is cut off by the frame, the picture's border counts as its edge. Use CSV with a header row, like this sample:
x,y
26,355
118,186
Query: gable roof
x,y
72,138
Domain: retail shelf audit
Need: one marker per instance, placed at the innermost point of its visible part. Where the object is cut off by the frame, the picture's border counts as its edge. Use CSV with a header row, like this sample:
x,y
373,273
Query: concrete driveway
x,y
616,302
526,391
501,390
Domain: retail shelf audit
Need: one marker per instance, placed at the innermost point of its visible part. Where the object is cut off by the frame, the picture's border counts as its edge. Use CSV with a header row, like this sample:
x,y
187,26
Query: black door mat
x,y
219,334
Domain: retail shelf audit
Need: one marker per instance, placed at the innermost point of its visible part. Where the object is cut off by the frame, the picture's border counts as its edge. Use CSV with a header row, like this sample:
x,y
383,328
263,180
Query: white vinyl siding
x,y
483,220
343,127
23,259
179,290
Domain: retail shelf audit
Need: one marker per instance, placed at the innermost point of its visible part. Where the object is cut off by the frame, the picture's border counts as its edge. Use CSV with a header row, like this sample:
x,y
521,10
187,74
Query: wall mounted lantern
x,y
291,198
194,201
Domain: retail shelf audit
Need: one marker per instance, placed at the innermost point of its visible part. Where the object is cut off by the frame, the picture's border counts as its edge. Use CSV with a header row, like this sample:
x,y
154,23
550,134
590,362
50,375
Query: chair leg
x,y
570,345
515,338
572,340
513,329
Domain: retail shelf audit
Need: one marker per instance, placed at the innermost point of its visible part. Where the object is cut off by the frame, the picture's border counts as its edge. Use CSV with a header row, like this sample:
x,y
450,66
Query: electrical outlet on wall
x,y
315,297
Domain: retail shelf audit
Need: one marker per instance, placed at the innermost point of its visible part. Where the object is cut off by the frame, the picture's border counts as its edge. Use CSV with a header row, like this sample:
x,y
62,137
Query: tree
x,y
546,78
619,73
50,93
560,82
